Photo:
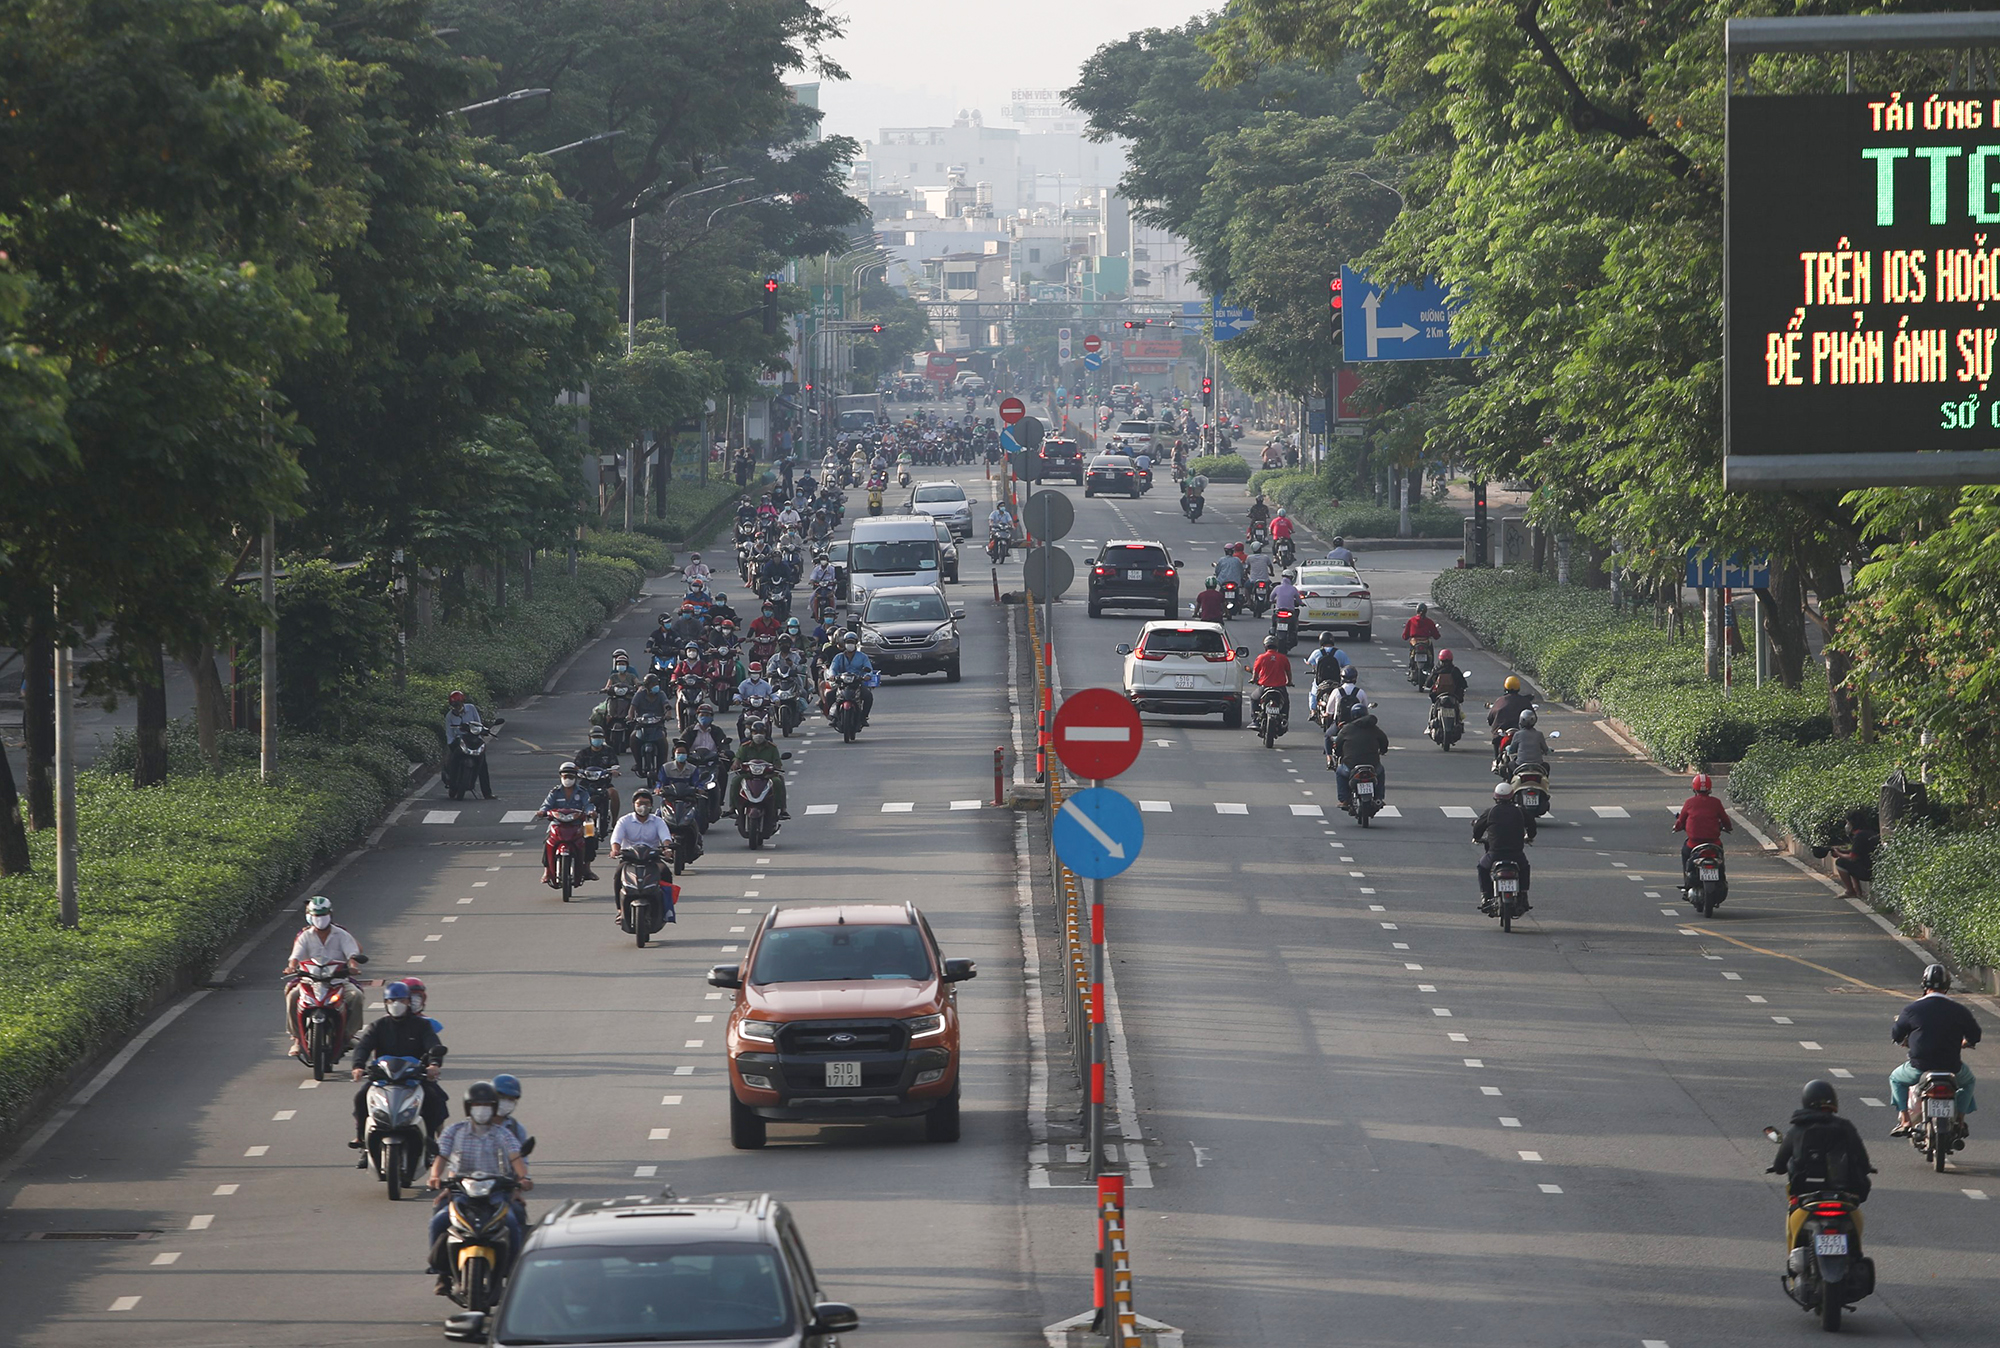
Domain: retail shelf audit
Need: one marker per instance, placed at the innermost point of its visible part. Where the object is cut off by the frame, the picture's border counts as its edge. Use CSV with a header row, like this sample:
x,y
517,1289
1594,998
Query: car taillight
x,y
1167,571
1222,659
1100,570
1143,654
1357,594
1311,594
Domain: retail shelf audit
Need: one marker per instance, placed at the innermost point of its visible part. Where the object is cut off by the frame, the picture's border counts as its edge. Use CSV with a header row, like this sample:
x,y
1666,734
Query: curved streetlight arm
x,y
518,96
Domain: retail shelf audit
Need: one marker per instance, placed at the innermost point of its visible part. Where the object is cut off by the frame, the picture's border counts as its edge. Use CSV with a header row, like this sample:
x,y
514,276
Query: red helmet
x,y
1444,657
456,697
1702,784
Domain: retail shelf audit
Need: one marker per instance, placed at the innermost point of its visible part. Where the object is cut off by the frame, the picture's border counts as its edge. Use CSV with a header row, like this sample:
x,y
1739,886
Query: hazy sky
x,y
917,62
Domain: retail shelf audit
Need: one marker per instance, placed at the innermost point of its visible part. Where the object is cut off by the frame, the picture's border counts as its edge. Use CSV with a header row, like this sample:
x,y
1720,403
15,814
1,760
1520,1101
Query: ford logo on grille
x,y
840,1038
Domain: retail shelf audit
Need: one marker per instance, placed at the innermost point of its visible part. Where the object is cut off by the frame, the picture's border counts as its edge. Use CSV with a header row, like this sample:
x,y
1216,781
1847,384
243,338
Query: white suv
x,y
1186,669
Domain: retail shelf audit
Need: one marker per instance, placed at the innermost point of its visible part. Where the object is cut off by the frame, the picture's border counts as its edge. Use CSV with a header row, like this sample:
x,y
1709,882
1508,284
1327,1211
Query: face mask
x,y
482,1113
507,1106
680,758
597,741
621,667
569,779
322,920
399,1008
643,808
705,720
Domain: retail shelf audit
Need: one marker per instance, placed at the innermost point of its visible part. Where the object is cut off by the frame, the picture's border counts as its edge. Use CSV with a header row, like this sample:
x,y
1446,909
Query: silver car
x,y
662,1271
945,501
910,629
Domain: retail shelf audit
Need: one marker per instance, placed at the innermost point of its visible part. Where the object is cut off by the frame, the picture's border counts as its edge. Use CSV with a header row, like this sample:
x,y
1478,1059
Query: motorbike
x,y
1285,627
461,767
1940,1119
790,706
1531,790
1259,600
393,1142
617,719
568,832
1508,892
997,544
319,1018
597,781
1285,552
845,706
645,899
709,770
478,1241
1826,1273
823,603
1447,721
1702,883
1232,598
903,477
648,739
682,809
756,812
755,708
1269,715
1191,505
1364,780
1422,661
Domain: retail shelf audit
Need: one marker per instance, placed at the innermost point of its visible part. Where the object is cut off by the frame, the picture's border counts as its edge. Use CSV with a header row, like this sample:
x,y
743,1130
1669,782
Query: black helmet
x,y
481,1093
1819,1095
1937,978
1326,637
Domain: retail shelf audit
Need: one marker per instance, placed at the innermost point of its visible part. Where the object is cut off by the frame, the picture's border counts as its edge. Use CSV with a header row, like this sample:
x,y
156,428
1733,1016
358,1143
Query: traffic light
x,y
1207,391
1129,325
770,306
876,328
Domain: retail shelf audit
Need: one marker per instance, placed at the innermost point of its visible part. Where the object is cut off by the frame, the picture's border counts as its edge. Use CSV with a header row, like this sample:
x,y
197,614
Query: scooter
x,y
755,708
461,769
997,544
1285,552
846,710
1285,627
597,781
1232,598
1702,883
319,1017
393,1142
1531,789
1260,597
1447,722
1826,1273
569,832
1510,892
790,707
709,769
756,812
1269,715
1422,661
617,723
478,1241
1191,505
1940,1126
647,741
645,900
682,811
1364,781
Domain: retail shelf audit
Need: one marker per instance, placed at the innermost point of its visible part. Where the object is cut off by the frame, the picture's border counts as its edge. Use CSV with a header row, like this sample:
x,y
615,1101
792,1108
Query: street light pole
x,y
65,774
267,705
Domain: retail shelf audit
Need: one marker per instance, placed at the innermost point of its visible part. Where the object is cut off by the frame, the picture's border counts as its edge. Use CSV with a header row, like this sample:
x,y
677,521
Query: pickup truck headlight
x,y
922,1027
763,1031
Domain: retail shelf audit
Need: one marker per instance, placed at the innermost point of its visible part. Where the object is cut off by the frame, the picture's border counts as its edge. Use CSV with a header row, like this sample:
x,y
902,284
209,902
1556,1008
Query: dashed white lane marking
x,y
441,816
752,893
1489,1090
1459,812
124,1303
1308,811
1377,908
201,1223
1427,987
683,1071
256,1151
1810,1047
1652,893
1872,1102
513,817
966,804
1752,997
1506,1122
1734,978
162,1260
1390,812
1457,1038
1441,1011
1358,875
744,910
1156,807
821,809
1670,912
465,900
224,1190
308,1085
1976,1194
659,1134
898,806
1531,1156
1389,926
1230,807
1652,1343
284,1114
1611,812
447,919
1550,1188
1366,890
438,937
645,1172
1781,1020
1475,1062
737,931
1619,865
416,959
1842,1073
670,1099
1399,945
704,1020
692,1043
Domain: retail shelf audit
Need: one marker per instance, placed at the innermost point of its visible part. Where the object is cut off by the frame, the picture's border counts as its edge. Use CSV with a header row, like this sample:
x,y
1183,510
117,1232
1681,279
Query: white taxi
x,y
1336,597
1186,669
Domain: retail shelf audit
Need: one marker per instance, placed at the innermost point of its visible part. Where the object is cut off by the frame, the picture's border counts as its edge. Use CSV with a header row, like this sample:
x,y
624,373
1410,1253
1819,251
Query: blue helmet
x,y
508,1085
396,992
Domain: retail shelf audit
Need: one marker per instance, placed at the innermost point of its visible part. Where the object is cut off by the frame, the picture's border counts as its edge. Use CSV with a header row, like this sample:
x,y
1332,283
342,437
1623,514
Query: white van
x,y
885,551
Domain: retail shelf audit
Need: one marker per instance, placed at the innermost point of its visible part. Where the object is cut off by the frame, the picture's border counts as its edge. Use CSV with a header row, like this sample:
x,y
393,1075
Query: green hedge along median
x,y
1949,882
1310,498
1580,649
1220,468
170,876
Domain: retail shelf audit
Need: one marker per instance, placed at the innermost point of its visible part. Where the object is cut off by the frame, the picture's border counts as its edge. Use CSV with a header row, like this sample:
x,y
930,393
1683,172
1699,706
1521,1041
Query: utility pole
x,y
267,696
65,775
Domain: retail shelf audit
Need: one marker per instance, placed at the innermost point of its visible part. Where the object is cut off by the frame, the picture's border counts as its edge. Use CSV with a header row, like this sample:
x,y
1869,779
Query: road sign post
x,y
1097,833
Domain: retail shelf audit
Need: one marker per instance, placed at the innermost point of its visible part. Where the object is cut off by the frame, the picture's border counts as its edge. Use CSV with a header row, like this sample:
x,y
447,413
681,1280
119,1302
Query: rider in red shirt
x,y
1209,605
1702,818
1420,626
1274,670
1281,525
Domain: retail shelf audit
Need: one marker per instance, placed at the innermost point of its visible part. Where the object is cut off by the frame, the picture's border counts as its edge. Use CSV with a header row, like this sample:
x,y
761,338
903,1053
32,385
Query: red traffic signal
x,y
771,285
1130,324
876,328
1334,301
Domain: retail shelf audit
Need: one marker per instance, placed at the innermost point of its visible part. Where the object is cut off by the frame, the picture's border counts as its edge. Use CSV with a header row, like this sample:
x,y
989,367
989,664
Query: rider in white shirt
x,y
1002,520
696,570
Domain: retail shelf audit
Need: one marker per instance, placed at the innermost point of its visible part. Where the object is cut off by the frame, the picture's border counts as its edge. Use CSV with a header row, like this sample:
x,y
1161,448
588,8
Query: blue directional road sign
x,y
1396,322
1228,320
1097,833
1707,571
1092,359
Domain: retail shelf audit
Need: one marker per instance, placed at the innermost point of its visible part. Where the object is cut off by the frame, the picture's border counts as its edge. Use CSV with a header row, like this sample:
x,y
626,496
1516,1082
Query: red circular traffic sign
x,y
1012,410
1097,733
1093,343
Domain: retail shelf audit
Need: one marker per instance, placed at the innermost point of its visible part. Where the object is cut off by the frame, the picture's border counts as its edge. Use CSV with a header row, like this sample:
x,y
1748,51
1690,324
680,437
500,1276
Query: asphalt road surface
x,y
1367,1116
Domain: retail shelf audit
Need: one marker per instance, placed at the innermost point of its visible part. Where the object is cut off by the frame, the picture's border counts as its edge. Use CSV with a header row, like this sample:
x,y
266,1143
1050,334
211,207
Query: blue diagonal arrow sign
x,y
1098,833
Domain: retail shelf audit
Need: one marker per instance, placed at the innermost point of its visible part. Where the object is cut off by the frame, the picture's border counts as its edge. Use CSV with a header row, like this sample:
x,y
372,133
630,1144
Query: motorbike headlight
x,y
922,1027
763,1031
477,1188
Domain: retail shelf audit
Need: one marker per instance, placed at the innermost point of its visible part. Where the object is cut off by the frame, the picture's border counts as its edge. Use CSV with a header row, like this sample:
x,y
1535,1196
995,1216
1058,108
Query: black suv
x,y
1062,458
1134,573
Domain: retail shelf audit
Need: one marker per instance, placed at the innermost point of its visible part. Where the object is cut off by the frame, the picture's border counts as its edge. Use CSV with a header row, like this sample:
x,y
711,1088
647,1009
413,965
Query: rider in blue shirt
x,y
852,661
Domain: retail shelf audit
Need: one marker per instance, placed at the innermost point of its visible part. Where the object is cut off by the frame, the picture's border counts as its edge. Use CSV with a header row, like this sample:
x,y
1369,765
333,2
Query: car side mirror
x,y
725,976
1178,562
958,615
835,1317
1124,649
959,970
1243,654
466,1327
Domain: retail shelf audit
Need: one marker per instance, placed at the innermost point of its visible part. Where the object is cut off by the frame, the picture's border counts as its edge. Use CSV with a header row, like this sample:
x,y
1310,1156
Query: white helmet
x,y
1503,790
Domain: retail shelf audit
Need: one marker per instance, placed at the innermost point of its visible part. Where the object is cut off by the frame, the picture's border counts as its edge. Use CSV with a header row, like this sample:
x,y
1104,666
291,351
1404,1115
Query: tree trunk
x,y
1829,585
209,701
13,838
39,717
149,767
1785,624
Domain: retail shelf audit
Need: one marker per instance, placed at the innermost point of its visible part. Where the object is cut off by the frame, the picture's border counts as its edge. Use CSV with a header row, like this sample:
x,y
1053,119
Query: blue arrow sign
x,y
1397,322
1707,571
1097,833
1226,320
1092,359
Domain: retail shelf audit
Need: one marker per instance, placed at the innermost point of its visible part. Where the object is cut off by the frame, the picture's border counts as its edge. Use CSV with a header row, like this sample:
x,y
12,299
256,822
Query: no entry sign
x,y
1012,410
1093,343
1097,733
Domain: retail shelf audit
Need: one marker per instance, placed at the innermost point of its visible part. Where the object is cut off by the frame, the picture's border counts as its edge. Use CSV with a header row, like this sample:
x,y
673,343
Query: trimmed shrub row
x,y
1949,882
1309,498
1582,649
1808,789
1220,467
169,876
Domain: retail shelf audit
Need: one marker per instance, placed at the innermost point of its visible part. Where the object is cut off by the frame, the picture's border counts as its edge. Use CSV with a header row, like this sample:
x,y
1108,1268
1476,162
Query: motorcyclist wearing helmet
x,y
1505,712
400,1033
1273,670
1421,626
1354,739
696,572
1704,820
760,749
326,940
765,629
852,660
755,684
1209,605
1260,512
567,794
622,682
1447,679
508,1087
1281,525
1506,830
1817,1131
651,700
1934,1029
1230,568
597,754
1340,554
706,737
1327,660
461,712
1529,746
480,1143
